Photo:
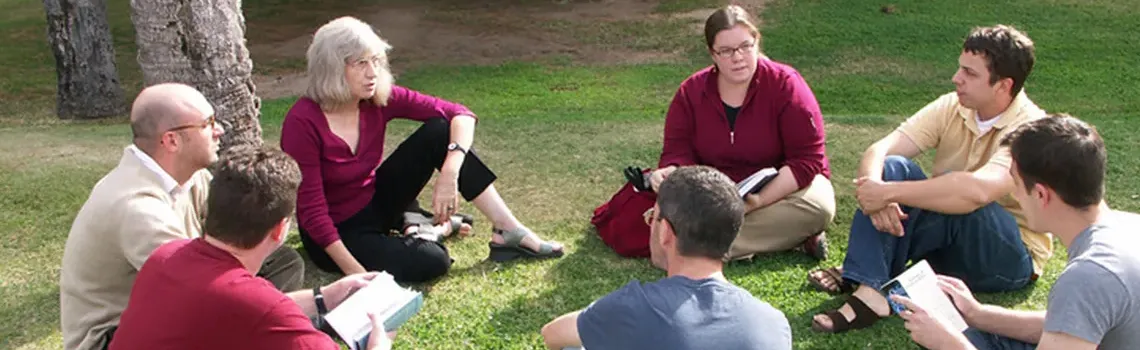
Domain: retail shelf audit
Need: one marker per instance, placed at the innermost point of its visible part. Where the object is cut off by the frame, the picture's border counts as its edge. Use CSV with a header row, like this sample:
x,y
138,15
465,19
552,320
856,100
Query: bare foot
x,y
830,280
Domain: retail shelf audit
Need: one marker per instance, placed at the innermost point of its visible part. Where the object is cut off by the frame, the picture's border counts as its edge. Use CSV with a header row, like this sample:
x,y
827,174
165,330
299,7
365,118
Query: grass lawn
x,y
558,135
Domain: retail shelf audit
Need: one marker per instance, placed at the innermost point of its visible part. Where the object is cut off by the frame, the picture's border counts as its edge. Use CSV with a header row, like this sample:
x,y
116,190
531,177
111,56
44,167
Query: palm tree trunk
x,y
88,82
201,43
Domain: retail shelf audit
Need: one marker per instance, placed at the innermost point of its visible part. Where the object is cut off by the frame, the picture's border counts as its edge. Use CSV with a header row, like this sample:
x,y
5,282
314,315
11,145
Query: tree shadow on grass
x,y
28,318
582,276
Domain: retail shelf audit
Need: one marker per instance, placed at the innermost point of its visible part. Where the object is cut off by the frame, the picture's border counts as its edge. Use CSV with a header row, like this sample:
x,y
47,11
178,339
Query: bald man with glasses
x,y
157,193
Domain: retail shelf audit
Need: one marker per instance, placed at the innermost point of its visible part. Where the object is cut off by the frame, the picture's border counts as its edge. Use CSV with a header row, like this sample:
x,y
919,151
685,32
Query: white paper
x,y
381,296
920,284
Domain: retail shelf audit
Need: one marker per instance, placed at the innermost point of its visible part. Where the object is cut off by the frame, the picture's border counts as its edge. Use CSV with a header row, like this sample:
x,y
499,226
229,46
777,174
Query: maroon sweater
x,y
779,124
336,184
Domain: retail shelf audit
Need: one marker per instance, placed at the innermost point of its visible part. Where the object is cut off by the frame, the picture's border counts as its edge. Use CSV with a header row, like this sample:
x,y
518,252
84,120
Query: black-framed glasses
x,y
742,49
211,122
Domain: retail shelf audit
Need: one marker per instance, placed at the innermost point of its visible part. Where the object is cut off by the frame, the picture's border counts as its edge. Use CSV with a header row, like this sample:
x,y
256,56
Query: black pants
x,y
399,180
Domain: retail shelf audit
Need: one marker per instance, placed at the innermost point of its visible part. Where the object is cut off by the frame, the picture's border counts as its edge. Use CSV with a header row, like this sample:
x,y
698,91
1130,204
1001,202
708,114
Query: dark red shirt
x,y
779,124
336,184
192,295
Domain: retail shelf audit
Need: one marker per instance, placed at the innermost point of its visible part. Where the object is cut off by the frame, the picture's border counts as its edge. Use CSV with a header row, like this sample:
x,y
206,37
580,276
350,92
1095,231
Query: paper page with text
x,y
920,284
381,296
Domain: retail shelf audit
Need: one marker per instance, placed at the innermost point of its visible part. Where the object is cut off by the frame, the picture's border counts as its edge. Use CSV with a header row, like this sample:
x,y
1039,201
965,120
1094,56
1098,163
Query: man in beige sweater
x,y
157,193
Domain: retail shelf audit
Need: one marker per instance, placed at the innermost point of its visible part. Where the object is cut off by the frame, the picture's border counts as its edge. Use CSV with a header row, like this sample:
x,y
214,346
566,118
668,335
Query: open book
x,y
920,284
755,182
383,297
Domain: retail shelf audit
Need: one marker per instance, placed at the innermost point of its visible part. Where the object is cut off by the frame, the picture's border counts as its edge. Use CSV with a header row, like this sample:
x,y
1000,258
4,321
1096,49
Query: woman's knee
x,y
435,129
432,261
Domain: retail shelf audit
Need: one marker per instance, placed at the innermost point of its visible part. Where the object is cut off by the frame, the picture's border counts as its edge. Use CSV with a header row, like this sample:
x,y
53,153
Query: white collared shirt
x,y
168,183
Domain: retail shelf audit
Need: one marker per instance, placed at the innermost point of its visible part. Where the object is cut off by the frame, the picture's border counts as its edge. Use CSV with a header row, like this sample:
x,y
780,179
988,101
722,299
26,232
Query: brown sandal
x,y
864,317
840,286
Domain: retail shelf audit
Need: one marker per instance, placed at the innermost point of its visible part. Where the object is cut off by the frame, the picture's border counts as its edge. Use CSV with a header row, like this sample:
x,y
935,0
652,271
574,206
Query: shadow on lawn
x,y
586,273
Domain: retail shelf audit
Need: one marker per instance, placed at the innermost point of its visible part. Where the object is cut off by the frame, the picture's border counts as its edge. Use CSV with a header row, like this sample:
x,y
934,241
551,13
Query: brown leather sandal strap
x,y
864,316
839,323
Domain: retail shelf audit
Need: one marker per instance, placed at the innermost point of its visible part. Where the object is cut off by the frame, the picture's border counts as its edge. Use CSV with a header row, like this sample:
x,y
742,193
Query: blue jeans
x,y
982,248
988,341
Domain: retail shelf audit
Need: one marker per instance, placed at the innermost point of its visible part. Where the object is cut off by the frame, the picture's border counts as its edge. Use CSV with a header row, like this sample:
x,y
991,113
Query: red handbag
x,y
621,223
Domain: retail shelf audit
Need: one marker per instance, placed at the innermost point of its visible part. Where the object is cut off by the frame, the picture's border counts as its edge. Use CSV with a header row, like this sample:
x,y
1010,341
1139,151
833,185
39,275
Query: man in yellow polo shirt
x,y
962,220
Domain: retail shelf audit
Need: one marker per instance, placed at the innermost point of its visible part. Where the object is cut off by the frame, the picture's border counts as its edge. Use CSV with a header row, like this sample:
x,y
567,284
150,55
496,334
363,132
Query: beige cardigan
x,y
127,216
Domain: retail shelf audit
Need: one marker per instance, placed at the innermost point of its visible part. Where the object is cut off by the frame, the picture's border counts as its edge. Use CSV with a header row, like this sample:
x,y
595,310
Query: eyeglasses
x,y
211,122
364,63
649,217
746,48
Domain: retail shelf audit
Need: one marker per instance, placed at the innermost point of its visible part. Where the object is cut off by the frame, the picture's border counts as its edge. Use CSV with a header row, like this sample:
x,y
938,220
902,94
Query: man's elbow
x,y
548,336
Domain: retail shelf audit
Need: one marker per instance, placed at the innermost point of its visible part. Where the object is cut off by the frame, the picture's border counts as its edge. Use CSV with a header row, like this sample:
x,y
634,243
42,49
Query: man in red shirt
x,y
203,294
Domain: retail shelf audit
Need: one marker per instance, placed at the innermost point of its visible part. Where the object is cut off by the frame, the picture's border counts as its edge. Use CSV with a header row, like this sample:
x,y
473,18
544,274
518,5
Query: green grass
x,y
577,126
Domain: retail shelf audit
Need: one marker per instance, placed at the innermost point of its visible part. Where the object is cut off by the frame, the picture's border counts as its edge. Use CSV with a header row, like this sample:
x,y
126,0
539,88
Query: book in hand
x,y
383,297
755,182
920,284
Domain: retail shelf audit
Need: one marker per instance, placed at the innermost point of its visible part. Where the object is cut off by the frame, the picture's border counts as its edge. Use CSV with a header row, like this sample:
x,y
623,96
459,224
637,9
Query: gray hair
x,y
336,43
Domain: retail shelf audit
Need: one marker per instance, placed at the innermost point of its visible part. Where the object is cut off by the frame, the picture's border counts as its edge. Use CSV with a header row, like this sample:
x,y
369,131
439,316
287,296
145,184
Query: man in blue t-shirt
x,y
692,225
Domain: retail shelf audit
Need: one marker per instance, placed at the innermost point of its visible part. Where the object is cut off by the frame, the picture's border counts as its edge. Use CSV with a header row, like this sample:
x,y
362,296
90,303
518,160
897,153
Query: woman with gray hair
x,y
349,200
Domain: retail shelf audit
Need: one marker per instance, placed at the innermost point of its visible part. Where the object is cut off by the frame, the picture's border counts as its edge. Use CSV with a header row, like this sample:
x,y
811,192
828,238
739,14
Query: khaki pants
x,y
787,223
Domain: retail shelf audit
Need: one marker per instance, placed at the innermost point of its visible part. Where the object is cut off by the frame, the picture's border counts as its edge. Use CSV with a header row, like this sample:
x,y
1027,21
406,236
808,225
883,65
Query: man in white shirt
x,y
156,194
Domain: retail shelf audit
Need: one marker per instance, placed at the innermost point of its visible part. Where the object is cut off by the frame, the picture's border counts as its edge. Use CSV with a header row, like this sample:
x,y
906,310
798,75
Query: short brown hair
x,y
726,18
1061,152
1009,53
253,189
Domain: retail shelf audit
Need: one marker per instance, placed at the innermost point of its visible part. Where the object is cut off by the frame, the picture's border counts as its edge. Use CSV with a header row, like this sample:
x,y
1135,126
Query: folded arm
x,y
959,192
894,144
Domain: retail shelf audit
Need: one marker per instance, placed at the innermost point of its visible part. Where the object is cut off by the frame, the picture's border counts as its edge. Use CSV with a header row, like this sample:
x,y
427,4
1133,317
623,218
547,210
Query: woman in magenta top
x,y
746,113
349,200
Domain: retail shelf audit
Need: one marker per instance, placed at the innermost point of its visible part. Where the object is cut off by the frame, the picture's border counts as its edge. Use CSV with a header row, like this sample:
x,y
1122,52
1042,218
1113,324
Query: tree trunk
x,y
80,38
201,43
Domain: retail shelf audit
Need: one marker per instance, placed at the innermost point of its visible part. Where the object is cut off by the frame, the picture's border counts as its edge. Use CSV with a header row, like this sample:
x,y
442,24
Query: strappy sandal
x,y
839,287
513,249
426,229
864,317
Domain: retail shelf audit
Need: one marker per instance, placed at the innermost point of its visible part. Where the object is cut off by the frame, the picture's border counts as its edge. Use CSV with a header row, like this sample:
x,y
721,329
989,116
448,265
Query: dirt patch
x,y
594,32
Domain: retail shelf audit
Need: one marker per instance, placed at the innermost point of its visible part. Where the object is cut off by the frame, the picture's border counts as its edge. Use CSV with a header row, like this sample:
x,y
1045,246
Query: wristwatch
x,y
320,301
321,308
456,147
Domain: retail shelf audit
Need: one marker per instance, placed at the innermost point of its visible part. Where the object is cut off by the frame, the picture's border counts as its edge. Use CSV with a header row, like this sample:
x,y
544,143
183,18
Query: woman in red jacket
x,y
746,113
349,201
